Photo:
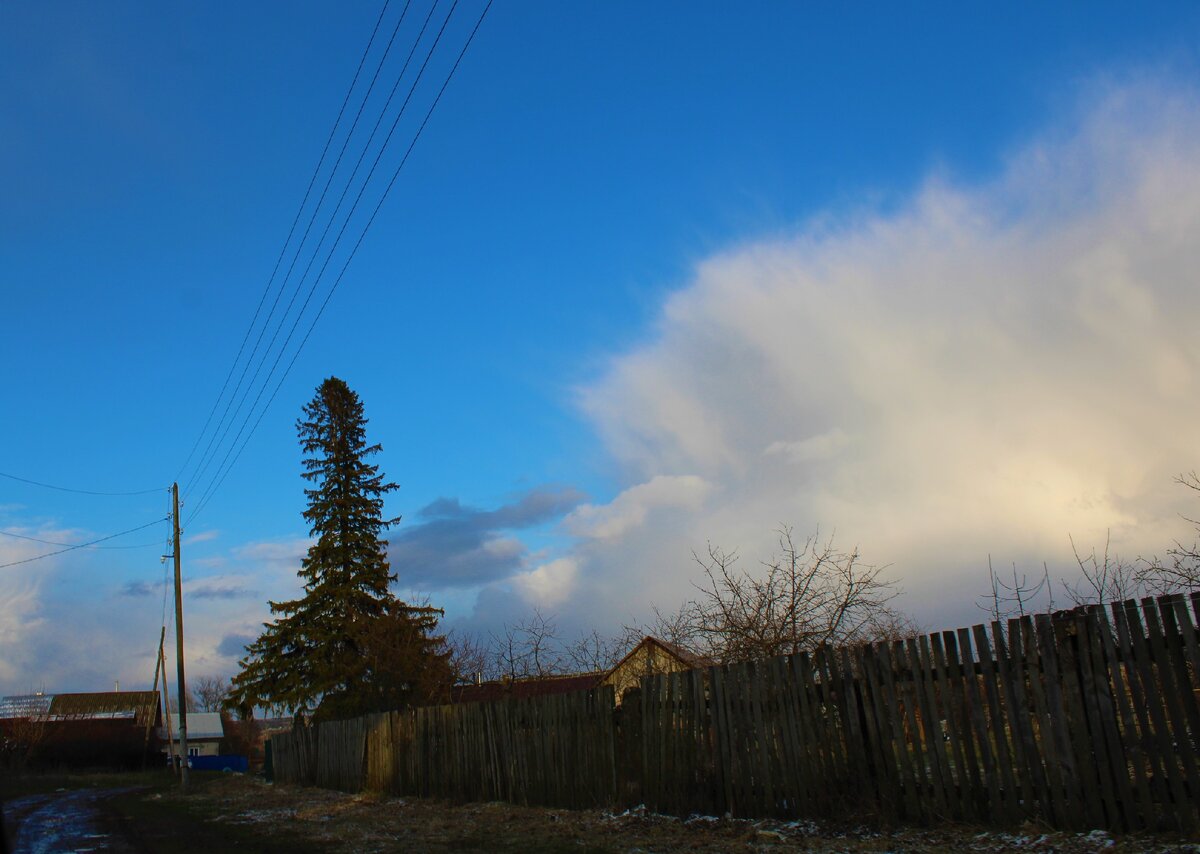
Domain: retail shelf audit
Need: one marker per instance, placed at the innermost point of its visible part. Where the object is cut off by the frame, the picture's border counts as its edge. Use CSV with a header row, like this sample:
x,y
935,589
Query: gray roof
x,y
25,705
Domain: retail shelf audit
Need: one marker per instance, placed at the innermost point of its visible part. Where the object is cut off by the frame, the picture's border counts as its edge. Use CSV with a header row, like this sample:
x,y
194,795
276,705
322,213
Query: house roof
x,y
680,654
25,705
522,688
139,705
546,685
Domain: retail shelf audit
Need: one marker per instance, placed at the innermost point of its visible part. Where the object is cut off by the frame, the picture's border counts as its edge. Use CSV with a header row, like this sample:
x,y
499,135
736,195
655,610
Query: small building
x,y
651,655
97,729
205,731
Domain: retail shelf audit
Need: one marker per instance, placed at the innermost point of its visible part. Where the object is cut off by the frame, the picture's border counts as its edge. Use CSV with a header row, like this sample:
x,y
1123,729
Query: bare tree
x,y
211,692
809,594
190,703
528,648
592,652
1106,578
1018,598
1181,570
469,656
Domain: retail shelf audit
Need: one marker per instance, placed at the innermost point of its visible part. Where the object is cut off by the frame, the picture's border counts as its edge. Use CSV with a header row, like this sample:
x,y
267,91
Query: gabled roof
x,y
139,705
683,656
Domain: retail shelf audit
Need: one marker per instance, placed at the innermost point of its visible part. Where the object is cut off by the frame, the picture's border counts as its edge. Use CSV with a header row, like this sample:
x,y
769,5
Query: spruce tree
x,y
322,651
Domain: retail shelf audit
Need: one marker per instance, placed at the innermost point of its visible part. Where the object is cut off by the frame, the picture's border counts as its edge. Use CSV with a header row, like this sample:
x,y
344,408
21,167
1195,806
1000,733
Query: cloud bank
x,y
453,546
986,370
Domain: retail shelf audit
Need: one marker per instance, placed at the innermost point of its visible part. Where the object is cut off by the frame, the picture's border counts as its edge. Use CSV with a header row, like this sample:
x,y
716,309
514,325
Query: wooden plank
x,y
913,792
793,758
906,666
1180,645
1081,808
1172,702
951,705
1066,808
1110,693
719,705
878,728
1131,739
827,722
846,699
1107,755
990,804
743,756
819,749
760,739
1035,795
935,738
1003,733
1166,781
1081,728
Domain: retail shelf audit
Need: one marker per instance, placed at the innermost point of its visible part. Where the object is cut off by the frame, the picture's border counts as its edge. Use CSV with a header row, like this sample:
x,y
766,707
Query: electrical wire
x,y
320,242
207,495
346,222
53,543
219,442
283,251
83,545
80,491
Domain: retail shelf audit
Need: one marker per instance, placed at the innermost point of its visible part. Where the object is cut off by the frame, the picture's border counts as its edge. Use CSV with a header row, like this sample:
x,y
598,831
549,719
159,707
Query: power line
x,y
283,251
206,497
337,240
78,491
73,545
82,545
216,443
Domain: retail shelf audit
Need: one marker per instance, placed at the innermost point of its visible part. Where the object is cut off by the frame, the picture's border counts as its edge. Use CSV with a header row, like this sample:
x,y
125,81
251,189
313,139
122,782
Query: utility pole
x,y
171,751
182,692
162,636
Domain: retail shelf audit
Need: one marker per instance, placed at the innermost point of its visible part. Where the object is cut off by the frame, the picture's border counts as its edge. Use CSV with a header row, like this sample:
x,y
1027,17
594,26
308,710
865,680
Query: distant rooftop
x,y
25,705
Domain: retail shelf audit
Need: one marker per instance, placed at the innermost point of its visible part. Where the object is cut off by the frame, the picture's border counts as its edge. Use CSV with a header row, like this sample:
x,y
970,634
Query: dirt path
x,y
237,812
65,821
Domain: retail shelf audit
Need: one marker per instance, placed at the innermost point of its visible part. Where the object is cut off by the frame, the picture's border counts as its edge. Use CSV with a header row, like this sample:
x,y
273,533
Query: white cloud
x,y
630,508
202,537
549,584
987,370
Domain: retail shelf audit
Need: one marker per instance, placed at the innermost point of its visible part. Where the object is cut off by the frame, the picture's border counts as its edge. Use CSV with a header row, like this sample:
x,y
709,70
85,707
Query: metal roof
x,y
25,705
142,706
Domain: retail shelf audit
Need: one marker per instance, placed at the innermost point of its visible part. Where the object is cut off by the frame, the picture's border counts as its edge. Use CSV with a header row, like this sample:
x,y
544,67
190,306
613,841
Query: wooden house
x,y
98,729
651,655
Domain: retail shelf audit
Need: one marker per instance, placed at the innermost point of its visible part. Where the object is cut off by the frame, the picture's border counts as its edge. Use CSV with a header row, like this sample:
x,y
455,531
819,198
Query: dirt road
x,y
65,821
236,812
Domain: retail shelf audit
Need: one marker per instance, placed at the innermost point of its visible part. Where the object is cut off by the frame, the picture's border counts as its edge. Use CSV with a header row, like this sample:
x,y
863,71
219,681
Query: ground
x,y
146,813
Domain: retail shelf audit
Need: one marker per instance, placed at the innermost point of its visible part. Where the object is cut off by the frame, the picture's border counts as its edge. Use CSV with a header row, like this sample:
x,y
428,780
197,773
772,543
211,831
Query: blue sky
x,y
602,188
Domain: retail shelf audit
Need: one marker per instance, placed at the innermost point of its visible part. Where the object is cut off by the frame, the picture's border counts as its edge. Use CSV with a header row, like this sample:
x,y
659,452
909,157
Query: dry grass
x,y
339,822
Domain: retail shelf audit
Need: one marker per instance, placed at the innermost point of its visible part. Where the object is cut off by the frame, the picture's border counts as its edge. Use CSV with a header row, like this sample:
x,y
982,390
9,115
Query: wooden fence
x,y
1078,720
550,751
